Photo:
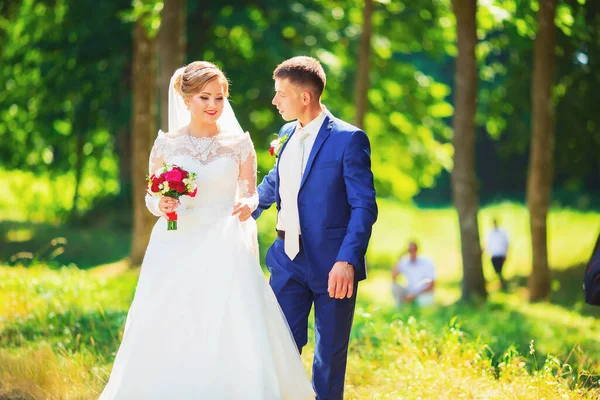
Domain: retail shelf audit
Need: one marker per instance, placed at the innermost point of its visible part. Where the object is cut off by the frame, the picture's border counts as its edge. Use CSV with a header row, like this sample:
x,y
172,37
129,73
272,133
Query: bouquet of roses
x,y
172,181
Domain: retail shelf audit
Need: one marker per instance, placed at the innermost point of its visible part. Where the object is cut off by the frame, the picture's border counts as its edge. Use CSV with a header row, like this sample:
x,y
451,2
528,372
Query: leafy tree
x,y
63,93
411,141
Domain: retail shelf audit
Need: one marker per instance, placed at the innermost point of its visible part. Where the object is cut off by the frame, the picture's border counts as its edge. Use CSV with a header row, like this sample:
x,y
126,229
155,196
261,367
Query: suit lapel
x,y
291,133
323,134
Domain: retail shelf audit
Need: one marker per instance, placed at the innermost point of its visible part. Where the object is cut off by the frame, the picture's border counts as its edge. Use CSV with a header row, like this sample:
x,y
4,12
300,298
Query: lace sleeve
x,y
247,175
156,160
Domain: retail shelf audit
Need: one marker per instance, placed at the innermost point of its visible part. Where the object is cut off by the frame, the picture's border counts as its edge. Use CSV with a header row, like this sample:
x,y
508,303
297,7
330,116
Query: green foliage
x,y
146,11
66,94
407,106
507,33
48,196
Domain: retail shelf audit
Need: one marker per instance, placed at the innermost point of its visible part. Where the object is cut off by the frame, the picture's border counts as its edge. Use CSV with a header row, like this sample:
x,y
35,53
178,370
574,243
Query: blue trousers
x,y
296,294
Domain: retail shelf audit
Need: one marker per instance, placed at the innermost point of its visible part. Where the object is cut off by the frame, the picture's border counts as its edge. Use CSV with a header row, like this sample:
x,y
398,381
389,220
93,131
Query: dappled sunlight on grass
x,y
506,321
61,326
58,245
409,357
44,373
571,237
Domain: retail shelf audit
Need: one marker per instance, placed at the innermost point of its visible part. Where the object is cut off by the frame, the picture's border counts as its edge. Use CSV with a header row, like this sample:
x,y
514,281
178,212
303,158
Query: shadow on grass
x,y
567,290
85,247
503,324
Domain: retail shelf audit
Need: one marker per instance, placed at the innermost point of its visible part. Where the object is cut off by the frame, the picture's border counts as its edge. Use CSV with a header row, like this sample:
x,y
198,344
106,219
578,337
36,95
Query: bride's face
x,y
207,105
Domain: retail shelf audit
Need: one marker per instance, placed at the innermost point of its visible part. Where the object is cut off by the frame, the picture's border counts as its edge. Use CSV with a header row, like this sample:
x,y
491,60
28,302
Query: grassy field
x,y
60,325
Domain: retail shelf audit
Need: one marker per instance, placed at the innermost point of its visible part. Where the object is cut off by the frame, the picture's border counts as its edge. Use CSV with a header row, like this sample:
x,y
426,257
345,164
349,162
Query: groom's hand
x,y
341,280
243,210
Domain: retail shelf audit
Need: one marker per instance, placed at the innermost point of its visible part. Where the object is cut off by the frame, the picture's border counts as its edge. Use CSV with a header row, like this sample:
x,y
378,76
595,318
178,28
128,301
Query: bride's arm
x,y
155,161
248,196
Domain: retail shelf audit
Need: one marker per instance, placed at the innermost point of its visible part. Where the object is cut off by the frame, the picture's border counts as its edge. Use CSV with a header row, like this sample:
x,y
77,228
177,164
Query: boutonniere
x,y
277,144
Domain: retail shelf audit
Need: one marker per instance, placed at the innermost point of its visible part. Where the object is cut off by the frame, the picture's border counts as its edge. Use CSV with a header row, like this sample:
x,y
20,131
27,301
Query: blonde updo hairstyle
x,y
196,75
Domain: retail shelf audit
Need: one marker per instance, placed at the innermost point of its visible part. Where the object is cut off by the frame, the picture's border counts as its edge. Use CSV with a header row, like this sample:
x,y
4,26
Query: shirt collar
x,y
313,127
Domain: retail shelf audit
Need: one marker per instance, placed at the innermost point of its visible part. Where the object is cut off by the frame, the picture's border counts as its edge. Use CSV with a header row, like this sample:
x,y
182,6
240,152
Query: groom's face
x,y
288,99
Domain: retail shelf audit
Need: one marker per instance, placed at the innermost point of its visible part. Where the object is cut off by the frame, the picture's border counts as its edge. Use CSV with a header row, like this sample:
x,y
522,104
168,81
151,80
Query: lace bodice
x,y
225,166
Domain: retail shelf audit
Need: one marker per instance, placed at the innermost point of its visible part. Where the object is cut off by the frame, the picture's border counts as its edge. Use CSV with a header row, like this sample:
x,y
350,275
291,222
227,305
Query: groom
x,y
323,187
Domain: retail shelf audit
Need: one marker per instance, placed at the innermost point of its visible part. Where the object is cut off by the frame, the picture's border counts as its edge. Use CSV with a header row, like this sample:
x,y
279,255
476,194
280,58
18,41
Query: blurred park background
x,y
475,110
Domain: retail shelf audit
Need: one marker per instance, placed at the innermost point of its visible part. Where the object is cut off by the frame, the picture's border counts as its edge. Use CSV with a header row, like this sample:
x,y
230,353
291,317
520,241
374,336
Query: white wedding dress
x,y
204,323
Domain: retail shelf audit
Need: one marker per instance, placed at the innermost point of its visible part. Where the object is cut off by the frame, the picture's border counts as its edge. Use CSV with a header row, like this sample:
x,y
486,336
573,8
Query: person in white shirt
x,y
419,272
497,248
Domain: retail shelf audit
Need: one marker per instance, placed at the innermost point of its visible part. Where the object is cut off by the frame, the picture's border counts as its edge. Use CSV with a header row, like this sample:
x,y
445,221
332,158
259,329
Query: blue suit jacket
x,y
336,200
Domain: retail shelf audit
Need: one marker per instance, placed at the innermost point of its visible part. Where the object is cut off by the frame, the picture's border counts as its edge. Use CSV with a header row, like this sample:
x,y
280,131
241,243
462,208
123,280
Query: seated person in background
x,y
420,277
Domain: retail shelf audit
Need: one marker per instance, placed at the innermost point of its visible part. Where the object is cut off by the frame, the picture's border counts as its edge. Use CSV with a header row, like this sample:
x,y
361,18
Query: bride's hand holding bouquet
x,y
171,182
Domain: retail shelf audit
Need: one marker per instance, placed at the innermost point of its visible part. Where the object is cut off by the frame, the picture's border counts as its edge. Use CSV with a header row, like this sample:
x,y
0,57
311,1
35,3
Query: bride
x,y
204,323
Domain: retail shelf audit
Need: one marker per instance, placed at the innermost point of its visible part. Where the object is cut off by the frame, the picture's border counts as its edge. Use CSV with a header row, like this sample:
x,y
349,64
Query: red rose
x,y
161,179
272,151
193,194
173,175
179,187
184,174
155,187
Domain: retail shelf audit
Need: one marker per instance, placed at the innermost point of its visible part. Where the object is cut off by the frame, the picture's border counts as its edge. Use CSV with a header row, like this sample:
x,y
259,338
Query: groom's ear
x,y
306,97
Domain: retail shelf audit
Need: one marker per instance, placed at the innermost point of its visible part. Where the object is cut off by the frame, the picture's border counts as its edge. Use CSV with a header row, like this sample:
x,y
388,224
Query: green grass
x,y
571,237
60,326
60,330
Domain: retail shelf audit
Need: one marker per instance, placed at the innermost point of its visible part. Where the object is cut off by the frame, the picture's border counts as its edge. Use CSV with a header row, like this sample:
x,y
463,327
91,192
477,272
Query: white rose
x,y
275,144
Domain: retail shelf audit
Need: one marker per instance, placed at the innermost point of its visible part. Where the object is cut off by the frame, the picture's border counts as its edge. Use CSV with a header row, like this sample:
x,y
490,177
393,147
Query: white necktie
x,y
295,154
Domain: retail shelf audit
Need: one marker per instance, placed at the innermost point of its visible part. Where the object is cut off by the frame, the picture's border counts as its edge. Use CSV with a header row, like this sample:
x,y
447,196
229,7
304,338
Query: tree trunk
x,y
362,74
144,132
464,184
539,182
171,51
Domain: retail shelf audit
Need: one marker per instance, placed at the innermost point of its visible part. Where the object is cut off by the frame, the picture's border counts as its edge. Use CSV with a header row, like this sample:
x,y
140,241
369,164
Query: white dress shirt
x,y
497,243
312,129
418,274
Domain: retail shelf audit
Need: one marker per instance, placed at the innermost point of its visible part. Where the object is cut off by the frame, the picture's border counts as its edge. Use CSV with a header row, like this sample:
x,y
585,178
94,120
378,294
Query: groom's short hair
x,y
303,71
